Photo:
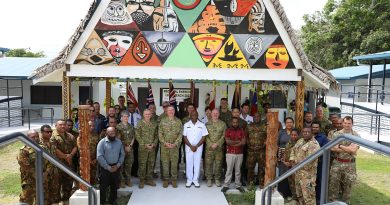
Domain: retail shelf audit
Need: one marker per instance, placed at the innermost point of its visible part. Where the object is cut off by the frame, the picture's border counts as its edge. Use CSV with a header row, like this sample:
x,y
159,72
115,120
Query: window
x,y
46,95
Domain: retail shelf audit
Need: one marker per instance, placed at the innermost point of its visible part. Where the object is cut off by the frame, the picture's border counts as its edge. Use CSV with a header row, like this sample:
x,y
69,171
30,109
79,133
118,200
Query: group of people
x,y
231,143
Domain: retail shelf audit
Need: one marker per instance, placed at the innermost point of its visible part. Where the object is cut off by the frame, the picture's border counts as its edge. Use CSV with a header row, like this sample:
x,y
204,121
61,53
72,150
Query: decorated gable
x,y
231,34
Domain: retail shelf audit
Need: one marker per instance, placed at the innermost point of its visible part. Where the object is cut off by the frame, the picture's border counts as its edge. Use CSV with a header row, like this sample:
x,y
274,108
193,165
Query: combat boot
x,y
165,183
209,183
174,183
150,182
218,183
141,184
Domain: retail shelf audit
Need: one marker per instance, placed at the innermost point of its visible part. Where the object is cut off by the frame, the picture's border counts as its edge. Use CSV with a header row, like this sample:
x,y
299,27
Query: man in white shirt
x,y
134,117
194,134
245,114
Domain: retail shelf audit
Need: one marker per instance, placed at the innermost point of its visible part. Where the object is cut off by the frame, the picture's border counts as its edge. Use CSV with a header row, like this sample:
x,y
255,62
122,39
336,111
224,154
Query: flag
x,y
192,93
131,97
236,96
212,96
150,97
254,102
172,97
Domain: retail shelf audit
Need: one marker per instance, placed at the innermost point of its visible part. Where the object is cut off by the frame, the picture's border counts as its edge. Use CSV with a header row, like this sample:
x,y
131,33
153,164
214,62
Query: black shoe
x,y
224,189
241,189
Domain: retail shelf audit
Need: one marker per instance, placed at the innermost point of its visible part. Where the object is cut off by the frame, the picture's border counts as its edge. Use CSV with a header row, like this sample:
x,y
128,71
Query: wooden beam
x,y
66,96
271,146
83,144
259,98
108,95
300,104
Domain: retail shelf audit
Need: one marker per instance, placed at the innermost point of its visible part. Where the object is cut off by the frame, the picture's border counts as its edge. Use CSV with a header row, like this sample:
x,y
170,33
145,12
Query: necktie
x,y
132,120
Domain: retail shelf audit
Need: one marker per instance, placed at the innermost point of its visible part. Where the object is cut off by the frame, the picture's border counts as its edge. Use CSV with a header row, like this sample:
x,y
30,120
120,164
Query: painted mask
x,y
208,45
116,14
164,18
211,21
277,57
94,52
140,10
141,51
117,42
257,17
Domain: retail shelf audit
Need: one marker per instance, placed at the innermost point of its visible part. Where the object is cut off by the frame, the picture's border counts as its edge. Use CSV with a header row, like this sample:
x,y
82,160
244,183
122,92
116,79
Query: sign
x,y
181,94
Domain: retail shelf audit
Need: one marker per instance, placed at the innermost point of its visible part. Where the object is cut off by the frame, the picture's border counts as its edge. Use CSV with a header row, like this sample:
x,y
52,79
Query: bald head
x,y
33,135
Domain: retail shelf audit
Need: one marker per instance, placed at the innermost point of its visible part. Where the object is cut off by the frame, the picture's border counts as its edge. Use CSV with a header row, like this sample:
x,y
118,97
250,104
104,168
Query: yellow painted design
x,y
229,56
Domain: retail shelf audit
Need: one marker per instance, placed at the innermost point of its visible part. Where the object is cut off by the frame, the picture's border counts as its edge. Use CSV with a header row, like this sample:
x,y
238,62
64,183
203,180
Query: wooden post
x,y
66,96
259,88
108,95
271,146
300,104
85,160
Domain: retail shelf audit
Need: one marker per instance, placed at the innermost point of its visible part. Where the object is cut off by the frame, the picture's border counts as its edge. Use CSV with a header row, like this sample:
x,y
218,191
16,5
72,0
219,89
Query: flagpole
x,y
127,87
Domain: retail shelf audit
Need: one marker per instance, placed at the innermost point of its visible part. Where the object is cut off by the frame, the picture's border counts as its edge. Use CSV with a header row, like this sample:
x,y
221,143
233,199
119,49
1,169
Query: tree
x,y
344,29
21,52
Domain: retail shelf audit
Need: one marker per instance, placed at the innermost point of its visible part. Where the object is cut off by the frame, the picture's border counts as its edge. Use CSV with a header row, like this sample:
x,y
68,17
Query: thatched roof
x,y
309,66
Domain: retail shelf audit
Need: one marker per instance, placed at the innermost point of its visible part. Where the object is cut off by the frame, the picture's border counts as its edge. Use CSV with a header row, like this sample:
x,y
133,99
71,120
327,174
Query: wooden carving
x,y
66,96
83,141
271,146
300,105
108,94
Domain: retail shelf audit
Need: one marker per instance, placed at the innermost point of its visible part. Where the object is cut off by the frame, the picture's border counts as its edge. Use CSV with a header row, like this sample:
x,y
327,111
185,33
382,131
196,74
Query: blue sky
x,y
48,24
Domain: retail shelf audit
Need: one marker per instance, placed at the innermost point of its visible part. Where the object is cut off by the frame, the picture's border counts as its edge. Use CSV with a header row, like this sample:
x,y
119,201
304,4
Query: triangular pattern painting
x,y
235,34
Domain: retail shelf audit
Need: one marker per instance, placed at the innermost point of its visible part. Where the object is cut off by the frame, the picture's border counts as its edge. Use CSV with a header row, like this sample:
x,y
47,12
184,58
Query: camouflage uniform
x,y
291,179
225,116
170,131
326,125
26,160
155,117
162,116
65,144
146,133
305,178
257,135
50,178
216,135
126,135
342,172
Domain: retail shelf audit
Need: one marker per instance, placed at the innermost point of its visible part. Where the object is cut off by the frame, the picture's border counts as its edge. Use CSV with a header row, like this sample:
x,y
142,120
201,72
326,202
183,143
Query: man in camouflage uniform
x,y
325,123
50,172
76,158
26,161
214,148
343,168
287,153
126,135
241,123
146,135
337,127
65,149
305,178
170,137
152,108
224,114
256,137
165,106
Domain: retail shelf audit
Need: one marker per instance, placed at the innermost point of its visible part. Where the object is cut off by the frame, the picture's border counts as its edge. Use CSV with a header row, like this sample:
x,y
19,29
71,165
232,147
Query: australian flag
x,y
150,97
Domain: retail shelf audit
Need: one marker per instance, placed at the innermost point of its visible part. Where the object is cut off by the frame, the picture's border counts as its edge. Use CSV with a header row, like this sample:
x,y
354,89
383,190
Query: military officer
x,y
225,114
126,135
324,123
305,178
146,135
294,134
165,106
26,161
170,137
65,149
214,148
343,168
256,137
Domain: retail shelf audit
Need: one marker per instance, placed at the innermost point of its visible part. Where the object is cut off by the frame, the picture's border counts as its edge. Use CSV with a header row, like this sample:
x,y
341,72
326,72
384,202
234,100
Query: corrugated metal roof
x,y
374,56
20,67
354,72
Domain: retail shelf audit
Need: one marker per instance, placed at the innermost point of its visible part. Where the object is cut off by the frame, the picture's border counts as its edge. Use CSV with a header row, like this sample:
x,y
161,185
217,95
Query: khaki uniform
x,y
65,143
51,178
26,161
305,178
214,157
257,135
291,179
146,133
225,116
342,174
326,125
170,131
126,135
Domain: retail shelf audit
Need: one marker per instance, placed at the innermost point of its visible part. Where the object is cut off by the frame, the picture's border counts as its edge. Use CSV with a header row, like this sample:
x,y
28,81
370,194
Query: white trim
x,y
87,32
283,33
79,70
315,81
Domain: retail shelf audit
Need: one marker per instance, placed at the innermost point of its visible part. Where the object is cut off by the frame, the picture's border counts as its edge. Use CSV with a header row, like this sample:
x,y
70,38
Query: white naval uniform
x,y
194,133
248,119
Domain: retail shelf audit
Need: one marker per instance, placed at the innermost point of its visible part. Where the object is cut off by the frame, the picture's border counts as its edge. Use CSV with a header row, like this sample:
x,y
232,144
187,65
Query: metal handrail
x,y
39,152
325,152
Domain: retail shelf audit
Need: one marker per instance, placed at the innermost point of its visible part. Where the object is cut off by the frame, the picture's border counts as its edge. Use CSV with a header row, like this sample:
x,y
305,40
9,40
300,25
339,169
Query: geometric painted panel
x,y
276,57
188,10
116,17
209,21
208,45
163,43
234,11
